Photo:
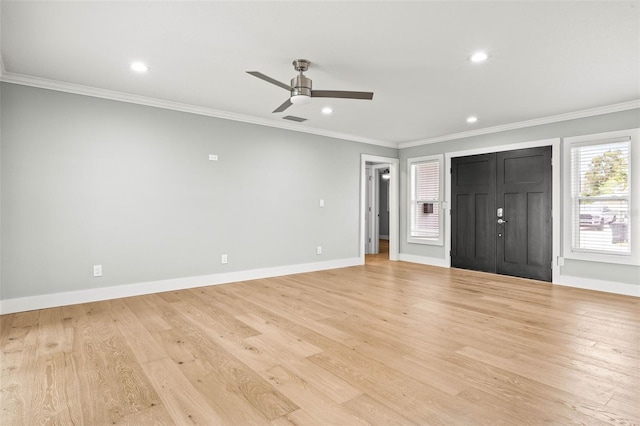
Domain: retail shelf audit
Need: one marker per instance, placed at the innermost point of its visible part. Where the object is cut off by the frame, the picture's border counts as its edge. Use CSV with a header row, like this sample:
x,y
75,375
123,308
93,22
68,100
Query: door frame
x,y
555,189
394,202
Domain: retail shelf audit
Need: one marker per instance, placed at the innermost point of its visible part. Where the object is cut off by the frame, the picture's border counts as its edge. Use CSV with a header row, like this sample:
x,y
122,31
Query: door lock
x,y
501,221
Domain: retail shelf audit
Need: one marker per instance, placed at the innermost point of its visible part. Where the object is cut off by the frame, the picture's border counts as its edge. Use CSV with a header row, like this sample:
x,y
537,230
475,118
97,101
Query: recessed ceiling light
x,y
472,119
327,110
139,67
479,57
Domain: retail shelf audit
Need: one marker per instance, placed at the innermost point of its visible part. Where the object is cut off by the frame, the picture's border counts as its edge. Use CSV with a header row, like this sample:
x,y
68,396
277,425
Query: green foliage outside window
x,y
607,174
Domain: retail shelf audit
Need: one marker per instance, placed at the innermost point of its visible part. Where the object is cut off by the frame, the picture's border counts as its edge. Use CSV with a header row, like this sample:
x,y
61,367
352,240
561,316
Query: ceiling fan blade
x,y
269,79
286,104
341,94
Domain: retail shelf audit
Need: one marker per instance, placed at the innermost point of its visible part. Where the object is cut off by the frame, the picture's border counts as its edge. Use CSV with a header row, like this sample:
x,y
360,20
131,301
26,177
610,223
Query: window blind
x,y
425,177
600,197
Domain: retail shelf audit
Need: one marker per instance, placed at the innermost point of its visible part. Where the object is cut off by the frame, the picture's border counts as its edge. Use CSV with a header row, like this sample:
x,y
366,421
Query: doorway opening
x,y
379,208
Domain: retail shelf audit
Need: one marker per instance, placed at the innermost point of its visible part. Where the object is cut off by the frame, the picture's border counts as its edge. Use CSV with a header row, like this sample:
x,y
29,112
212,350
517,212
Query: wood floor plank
x,y
22,331
310,322
629,407
282,338
296,418
53,338
519,395
18,367
180,398
314,402
155,415
375,412
328,383
231,406
560,378
141,342
54,398
385,343
416,400
239,377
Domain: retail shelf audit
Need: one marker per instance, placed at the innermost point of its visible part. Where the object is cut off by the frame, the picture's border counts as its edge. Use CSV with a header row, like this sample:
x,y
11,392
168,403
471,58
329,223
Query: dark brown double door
x,y
501,213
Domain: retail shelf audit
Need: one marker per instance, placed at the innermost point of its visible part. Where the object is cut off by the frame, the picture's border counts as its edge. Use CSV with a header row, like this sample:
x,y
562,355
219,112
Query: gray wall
x,y
90,181
584,126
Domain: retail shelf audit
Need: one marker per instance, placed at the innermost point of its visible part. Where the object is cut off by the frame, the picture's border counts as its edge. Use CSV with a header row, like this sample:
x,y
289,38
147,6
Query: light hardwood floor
x,y
385,343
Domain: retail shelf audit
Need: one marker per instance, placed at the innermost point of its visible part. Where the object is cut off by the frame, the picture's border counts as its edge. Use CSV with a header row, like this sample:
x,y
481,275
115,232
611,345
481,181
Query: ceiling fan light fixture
x,y
300,99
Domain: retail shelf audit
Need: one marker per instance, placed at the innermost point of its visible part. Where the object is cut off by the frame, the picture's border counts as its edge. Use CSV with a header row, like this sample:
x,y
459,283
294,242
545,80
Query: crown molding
x,y
225,115
113,95
635,104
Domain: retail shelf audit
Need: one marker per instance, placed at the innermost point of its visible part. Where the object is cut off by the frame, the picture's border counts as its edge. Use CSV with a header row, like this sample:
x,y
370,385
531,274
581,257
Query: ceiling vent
x,y
294,118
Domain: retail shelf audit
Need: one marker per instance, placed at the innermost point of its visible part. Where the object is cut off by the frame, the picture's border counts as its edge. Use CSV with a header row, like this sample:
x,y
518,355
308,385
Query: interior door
x,y
501,213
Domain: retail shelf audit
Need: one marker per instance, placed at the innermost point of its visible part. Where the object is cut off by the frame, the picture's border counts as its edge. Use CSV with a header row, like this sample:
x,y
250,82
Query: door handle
x,y
501,221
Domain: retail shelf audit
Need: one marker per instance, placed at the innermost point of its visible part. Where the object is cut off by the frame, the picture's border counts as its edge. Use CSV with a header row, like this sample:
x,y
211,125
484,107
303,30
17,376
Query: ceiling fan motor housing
x,y
300,86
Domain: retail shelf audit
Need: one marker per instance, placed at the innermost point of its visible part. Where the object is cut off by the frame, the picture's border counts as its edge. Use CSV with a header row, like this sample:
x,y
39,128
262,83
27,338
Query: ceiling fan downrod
x,y
301,85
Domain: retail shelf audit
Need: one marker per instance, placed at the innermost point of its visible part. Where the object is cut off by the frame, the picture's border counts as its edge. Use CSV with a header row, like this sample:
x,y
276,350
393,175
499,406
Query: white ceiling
x,y
546,58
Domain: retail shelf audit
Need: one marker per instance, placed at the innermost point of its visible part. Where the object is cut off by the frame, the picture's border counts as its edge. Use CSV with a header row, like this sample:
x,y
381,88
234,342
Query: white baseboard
x,y
598,285
44,301
23,304
384,237
423,260
563,280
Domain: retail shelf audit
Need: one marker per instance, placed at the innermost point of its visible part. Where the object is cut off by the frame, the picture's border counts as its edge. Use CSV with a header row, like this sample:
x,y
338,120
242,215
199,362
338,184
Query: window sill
x,y
603,258
425,241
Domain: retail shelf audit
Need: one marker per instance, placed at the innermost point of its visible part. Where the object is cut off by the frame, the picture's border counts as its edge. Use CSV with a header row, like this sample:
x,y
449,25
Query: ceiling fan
x,y
300,88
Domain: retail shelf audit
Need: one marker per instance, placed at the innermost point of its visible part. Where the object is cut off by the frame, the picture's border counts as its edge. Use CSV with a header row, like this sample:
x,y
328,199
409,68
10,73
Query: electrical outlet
x,y
321,203
560,261
319,250
97,270
213,157
224,259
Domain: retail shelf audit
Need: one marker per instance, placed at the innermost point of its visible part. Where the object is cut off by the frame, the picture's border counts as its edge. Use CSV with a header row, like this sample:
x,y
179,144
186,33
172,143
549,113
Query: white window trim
x,y
424,240
634,199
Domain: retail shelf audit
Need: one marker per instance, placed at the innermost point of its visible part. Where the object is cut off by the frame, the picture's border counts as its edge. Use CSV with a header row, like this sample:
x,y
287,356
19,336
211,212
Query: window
x,y
599,224
425,200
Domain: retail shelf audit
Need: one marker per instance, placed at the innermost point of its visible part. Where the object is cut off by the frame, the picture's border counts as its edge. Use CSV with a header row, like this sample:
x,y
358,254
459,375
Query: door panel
x,y
473,212
484,239
536,230
523,189
463,240
519,182
511,232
